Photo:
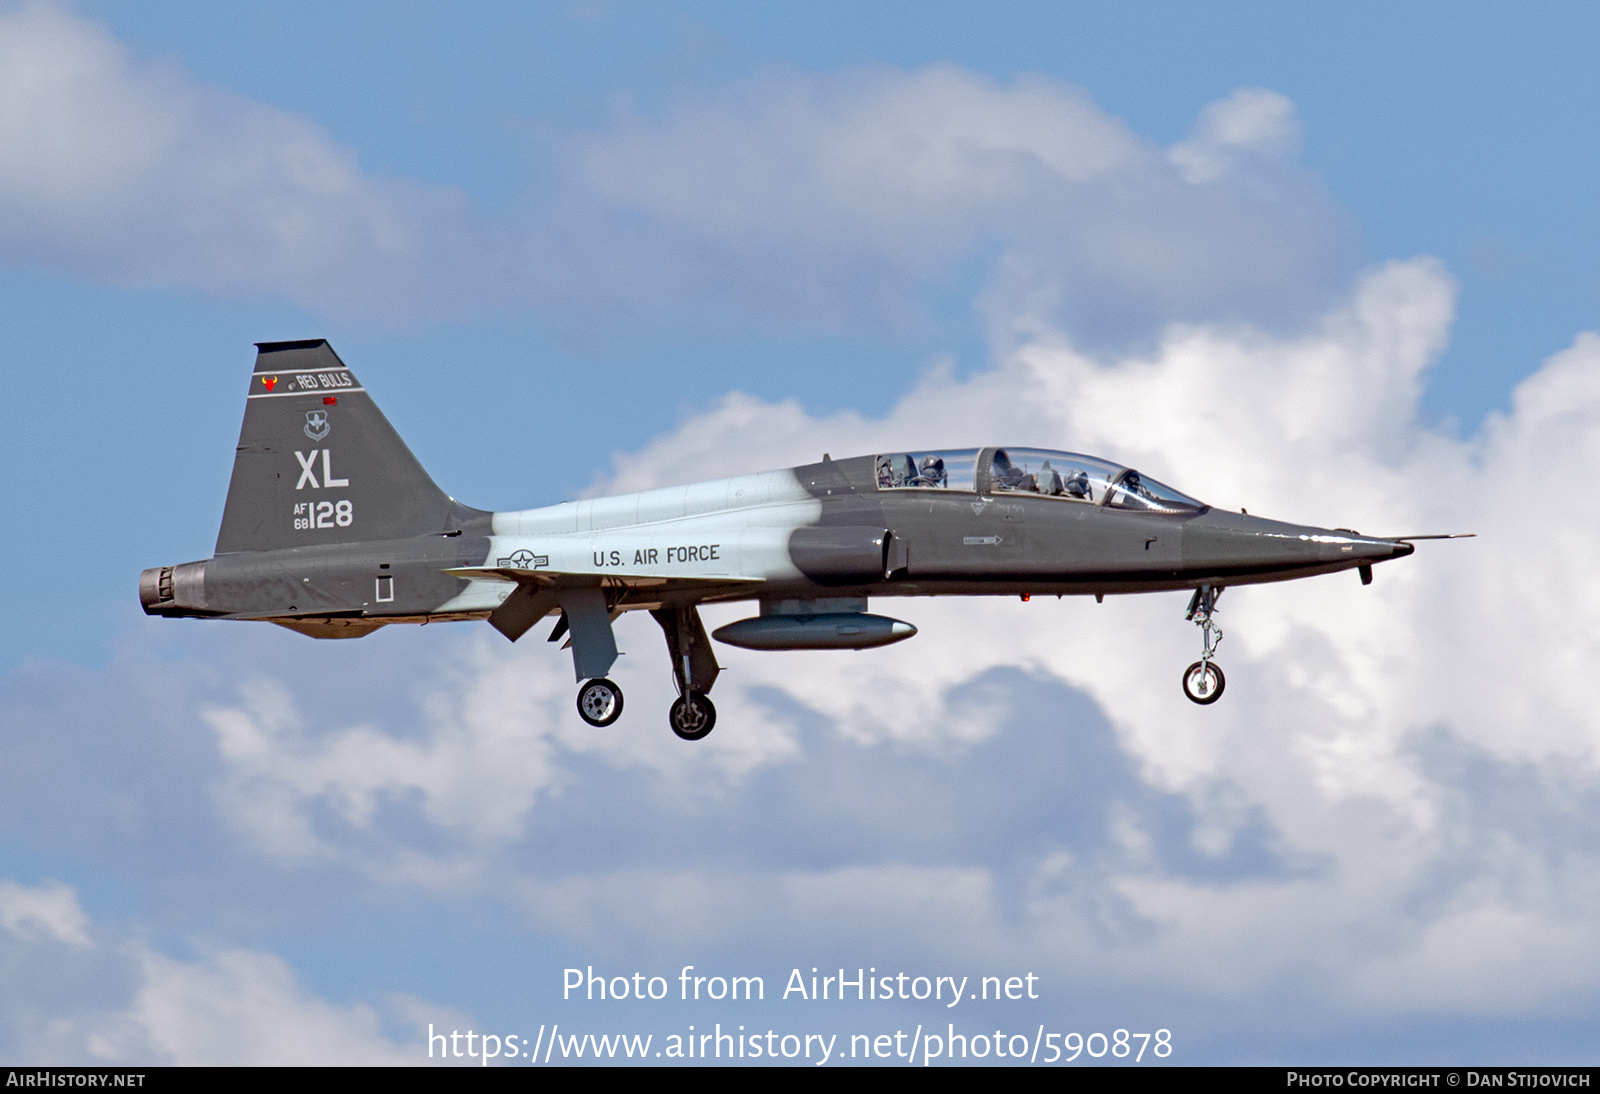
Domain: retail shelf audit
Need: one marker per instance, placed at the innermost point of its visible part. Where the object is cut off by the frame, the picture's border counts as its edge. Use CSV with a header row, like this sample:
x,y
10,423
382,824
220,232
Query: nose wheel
x,y
599,702
692,715
1203,681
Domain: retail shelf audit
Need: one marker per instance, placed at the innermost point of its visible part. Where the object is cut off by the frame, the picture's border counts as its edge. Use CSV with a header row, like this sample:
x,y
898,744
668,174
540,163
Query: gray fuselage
x,y
333,529
823,530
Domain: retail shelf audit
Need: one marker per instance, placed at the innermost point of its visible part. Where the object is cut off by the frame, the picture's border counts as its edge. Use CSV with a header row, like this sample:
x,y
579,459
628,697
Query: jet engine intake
x,y
839,555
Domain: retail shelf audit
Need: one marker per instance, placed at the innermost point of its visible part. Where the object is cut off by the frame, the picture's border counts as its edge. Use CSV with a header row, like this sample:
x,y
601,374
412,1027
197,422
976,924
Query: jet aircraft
x,y
333,529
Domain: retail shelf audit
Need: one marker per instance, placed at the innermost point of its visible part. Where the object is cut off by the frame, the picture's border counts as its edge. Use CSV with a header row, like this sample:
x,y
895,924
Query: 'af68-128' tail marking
x,y
324,514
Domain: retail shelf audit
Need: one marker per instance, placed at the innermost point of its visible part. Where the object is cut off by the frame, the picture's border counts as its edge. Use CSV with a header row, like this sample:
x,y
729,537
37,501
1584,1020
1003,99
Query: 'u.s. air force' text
x,y
651,556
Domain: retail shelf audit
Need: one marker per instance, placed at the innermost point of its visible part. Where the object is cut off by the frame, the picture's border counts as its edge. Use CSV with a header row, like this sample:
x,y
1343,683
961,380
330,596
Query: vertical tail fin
x,y
319,463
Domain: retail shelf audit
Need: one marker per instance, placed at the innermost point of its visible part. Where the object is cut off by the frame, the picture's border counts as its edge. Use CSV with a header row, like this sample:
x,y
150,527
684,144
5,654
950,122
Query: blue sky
x,y
1332,263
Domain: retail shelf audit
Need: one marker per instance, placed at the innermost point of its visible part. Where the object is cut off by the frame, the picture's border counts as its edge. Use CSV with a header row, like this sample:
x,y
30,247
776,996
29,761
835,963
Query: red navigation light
x,y
328,400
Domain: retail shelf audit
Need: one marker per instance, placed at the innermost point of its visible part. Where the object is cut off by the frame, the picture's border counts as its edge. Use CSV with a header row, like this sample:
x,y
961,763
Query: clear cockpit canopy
x,y
1040,471
1076,477
948,470
1052,474
1136,491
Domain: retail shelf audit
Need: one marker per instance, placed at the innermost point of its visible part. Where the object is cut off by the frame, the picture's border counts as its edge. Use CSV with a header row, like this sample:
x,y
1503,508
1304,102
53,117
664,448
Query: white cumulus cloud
x,y
124,1002
837,195
239,1008
788,201
1253,121
128,171
50,910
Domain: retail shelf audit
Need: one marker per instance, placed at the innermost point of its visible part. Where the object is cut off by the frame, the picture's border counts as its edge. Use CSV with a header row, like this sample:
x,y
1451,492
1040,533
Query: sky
x,y
1334,264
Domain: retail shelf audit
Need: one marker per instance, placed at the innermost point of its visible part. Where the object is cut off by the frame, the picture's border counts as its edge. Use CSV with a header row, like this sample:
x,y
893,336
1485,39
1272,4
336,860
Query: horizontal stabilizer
x,y
527,605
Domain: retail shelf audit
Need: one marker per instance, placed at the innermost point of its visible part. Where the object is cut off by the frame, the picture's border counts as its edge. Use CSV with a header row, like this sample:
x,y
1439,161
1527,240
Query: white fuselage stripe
x,y
734,529
747,495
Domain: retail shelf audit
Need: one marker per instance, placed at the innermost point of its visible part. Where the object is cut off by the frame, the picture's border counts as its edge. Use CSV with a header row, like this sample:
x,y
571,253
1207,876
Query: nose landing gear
x,y
1203,681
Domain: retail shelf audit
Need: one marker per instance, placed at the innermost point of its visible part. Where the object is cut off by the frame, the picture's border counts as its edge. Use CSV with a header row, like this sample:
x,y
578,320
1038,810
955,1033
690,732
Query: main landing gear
x,y
599,702
692,715
694,670
1203,681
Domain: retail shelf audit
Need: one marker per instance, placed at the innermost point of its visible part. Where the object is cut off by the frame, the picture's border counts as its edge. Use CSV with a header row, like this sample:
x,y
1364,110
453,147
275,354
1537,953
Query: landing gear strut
x,y
1203,681
599,702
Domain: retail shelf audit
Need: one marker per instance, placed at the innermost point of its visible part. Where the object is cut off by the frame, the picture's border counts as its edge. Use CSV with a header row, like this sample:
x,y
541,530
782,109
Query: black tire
x,y
1198,688
599,702
692,716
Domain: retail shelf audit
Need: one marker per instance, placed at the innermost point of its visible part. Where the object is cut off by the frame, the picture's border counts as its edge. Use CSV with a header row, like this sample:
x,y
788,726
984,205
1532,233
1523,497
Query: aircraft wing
x,y
540,592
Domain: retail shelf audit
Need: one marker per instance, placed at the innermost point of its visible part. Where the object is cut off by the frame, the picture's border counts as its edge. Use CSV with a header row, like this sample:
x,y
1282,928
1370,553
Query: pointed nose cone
x,y
901,630
1236,543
